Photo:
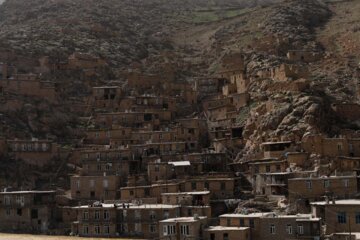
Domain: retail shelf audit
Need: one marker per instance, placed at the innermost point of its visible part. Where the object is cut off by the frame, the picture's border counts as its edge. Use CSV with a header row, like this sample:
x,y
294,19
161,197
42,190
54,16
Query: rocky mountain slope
x,y
200,33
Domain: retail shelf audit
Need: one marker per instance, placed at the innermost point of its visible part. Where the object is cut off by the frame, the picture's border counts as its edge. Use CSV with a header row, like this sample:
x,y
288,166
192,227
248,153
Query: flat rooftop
x,y
222,228
338,202
183,219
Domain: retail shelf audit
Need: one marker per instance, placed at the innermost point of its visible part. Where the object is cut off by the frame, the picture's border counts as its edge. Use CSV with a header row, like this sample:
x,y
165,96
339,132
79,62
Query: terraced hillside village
x,y
180,119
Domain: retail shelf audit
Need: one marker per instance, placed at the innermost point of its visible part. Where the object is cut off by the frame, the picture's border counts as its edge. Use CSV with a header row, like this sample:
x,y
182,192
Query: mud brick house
x,y
276,149
34,152
117,162
338,215
215,101
172,170
125,220
273,226
220,187
272,184
143,220
299,159
150,120
331,147
346,164
27,211
304,56
201,198
286,72
79,60
90,188
143,82
153,191
230,233
97,220
347,111
105,135
315,188
106,96
248,220
182,228
28,85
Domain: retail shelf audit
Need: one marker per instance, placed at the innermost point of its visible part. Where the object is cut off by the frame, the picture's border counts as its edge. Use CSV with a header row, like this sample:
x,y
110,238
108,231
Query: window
x,y
278,168
78,184
106,183
169,230
7,200
106,215
8,212
92,183
242,222
251,223
308,184
97,229
326,183
272,229
289,229
300,229
357,218
166,214
184,230
222,186
108,166
157,168
85,229
97,215
346,182
152,215
256,169
86,215
193,185
131,192
225,236
341,217
99,167
228,222
106,229
137,214
206,185
153,228
268,168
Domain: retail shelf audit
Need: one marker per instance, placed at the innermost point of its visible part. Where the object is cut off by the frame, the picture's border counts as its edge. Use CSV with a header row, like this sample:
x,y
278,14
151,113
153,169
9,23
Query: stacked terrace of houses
x,y
146,169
